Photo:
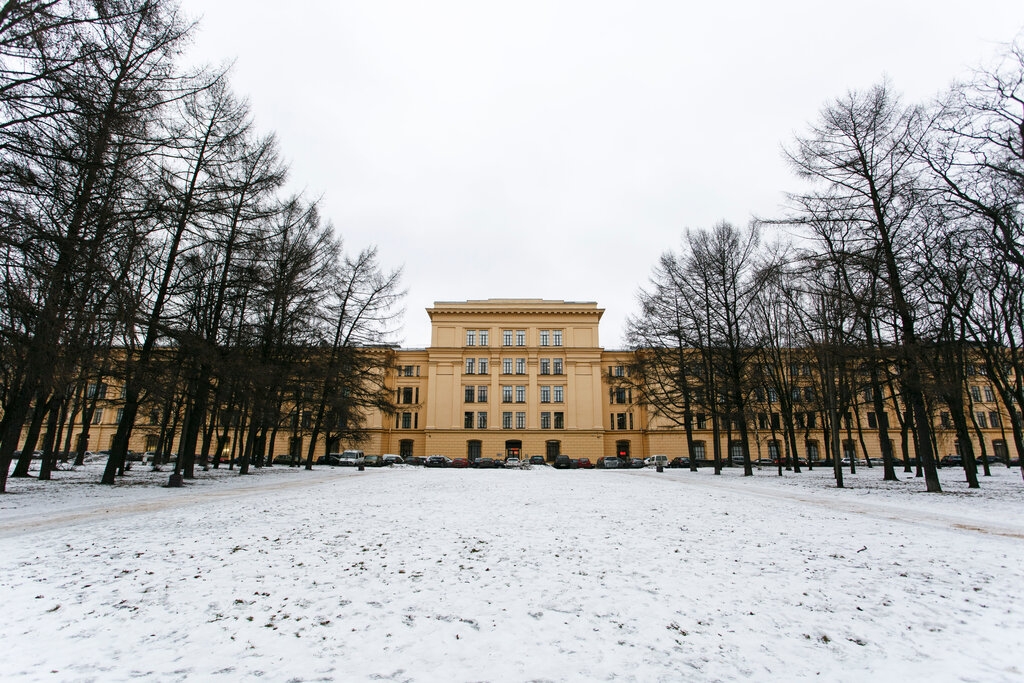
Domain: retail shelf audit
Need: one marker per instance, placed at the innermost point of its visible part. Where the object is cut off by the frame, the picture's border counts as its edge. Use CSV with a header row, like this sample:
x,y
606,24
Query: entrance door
x,y
405,448
622,449
554,449
513,448
473,449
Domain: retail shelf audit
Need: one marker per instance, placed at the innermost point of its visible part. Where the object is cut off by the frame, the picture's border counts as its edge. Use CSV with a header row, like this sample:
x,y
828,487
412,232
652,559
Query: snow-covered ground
x,y
461,575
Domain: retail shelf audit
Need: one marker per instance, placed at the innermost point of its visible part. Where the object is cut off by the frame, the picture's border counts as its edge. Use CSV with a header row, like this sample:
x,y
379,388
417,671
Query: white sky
x,y
556,149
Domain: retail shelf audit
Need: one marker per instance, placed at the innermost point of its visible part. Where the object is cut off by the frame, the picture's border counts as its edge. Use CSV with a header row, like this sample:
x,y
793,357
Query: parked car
x,y
373,461
637,464
584,464
656,460
283,459
944,461
437,461
486,463
679,462
512,463
991,460
392,459
537,460
351,458
562,462
418,460
608,463
460,462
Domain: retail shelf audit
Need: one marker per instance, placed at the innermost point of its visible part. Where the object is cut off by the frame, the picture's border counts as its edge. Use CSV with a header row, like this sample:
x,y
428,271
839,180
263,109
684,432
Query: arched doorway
x,y
513,448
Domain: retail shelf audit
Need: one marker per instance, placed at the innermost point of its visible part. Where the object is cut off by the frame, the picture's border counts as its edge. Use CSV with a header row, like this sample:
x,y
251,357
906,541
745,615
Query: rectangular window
x,y
470,366
794,395
976,393
406,394
520,420
556,366
506,394
558,337
617,371
799,420
620,420
506,366
611,420
506,420
762,421
520,394
506,337
484,338
520,337
470,394
775,421
545,394
481,394
545,366
120,414
812,450
989,394
982,420
406,371
545,420
482,366
867,395
773,396
699,453
812,418
994,419
558,394
468,420
520,366
559,421
808,394
872,422
481,420
470,337
545,338
702,421
620,396
406,420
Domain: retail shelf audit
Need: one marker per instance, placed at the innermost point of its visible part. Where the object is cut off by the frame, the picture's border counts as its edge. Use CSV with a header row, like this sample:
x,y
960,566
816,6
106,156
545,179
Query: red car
x,y
584,464
459,462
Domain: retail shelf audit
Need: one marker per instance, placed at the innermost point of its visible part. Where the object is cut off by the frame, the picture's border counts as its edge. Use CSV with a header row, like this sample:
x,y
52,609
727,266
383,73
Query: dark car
x,y
415,460
951,461
392,459
459,462
679,462
637,463
537,460
437,461
562,462
486,463
373,461
584,464
283,459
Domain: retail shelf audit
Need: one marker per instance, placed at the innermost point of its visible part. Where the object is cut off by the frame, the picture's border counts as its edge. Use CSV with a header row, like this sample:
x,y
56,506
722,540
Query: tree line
x,y
902,282
148,235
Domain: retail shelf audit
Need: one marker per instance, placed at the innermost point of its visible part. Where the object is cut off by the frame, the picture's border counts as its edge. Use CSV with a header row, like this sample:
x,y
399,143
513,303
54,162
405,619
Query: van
x,y
351,458
656,460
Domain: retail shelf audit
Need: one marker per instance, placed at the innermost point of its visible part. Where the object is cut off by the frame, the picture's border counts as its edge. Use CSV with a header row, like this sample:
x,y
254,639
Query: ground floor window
x,y
849,450
152,442
699,450
736,450
812,450
999,449
773,450
405,448
473,449
553,449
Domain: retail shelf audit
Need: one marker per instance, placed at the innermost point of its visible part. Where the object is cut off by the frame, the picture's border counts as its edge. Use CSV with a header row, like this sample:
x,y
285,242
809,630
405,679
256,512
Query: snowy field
x,y
461,575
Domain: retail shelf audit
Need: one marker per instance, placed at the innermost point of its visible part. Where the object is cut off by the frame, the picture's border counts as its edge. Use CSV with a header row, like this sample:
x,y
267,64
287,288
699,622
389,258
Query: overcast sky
x,y
555,149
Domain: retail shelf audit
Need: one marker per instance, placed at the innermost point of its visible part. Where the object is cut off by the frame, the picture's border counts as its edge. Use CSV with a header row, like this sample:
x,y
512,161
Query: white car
x,y
513,463
352,458
656,460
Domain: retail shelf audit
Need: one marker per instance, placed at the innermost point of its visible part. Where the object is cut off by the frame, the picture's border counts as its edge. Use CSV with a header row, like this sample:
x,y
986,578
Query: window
x,y
520,337
775,421
506,337
559,421
406,395
520,420
470,394
812,450
944,419
762,421
872,422
702,421
470,366
506,420
545,338
545,366
558,337
481,420
989,394
545,420
468,420
506,366
406,420
506,394
473,450
406,371
759,394
868,397
520,394
994,419
556,366
808,394
982,420
620,396
736,450
482,366
620,420
120,414
545,394
96,390
481,394
773,396
811,420
617,371
558,394
794,395
699,450
520,366
470,337
483,338
773,450
976,393
805,369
